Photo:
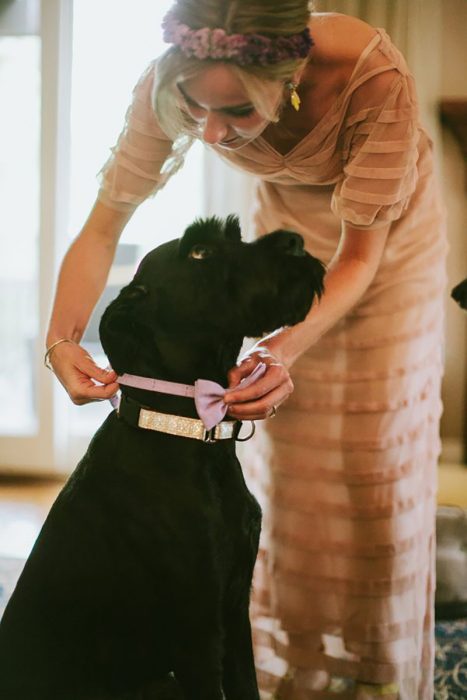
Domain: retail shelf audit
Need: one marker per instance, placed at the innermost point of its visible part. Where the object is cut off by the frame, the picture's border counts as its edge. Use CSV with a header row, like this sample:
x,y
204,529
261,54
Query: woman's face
x,y
218,102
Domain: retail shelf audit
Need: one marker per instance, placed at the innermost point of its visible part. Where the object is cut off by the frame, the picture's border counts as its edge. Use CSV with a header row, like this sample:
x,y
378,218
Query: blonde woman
x,y
322,109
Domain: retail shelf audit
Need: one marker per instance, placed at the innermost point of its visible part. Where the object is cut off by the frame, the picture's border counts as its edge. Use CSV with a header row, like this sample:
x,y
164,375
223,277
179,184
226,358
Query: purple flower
x,y
243,49
219,41
200,43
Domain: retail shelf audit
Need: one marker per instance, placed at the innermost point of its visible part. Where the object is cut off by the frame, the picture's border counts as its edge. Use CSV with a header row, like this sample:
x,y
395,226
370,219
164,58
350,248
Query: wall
x,y
454,176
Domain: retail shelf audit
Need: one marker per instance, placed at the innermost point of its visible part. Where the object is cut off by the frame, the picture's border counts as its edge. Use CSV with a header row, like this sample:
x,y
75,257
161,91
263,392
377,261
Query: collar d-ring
x,y
248,437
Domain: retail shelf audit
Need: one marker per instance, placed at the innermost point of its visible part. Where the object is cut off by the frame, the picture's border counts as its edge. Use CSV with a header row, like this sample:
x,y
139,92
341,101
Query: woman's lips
x,y
228,141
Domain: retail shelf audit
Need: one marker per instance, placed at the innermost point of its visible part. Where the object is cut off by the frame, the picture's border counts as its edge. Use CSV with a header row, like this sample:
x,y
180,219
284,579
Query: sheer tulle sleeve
x,y
380,152
142,159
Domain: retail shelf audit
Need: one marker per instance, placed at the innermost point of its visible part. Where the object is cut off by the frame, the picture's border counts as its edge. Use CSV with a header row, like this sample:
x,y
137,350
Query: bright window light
x,y
113,42
20,82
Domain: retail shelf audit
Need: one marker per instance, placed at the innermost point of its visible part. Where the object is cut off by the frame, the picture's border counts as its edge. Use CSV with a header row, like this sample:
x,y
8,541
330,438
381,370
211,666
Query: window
x,y
112,44
111,48
20,81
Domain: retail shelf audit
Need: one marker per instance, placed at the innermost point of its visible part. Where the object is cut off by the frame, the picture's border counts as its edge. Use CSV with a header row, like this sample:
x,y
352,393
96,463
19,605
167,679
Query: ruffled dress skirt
x,y
346,474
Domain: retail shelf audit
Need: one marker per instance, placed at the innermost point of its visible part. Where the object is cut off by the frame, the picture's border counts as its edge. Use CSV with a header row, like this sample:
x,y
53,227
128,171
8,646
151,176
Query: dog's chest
x,y
173,494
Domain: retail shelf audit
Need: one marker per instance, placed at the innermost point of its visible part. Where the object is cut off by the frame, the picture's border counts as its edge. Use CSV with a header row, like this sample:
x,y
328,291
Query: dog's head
x,y
459,294
209,287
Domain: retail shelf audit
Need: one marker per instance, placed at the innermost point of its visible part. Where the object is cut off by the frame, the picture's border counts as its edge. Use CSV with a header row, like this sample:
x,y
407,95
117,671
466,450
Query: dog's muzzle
x,y
139,417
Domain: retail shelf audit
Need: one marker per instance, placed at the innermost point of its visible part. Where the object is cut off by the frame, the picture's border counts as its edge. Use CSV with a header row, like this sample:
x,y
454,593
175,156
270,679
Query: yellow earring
x,y
294,96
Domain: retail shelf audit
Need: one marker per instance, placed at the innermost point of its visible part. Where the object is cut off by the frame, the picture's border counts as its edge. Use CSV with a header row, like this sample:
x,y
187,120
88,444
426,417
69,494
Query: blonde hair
x,y
263,84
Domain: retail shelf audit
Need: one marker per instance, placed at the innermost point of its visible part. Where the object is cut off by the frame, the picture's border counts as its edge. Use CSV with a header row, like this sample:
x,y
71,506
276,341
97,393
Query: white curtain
x,y
228,191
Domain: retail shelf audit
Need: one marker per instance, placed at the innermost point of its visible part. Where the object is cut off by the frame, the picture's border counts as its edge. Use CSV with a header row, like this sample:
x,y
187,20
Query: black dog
x,y
138,585
459,294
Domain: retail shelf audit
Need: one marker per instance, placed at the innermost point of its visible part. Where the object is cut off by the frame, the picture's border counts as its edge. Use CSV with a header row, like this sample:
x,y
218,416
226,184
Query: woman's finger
x,y
81,377
244,368
88,393
88,367
247,364
261,409
275,376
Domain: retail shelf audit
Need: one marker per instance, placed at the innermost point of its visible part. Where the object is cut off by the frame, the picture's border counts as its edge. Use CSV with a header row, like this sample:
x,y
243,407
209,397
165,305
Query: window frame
x,y
43,452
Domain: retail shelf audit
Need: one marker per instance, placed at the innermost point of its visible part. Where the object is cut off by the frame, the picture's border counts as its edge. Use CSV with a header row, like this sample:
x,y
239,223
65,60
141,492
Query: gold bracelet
x,y
49,351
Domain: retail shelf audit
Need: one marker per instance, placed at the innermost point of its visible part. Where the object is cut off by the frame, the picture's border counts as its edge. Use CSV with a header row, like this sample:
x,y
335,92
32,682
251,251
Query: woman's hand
x,y
78,373
260,399
85,268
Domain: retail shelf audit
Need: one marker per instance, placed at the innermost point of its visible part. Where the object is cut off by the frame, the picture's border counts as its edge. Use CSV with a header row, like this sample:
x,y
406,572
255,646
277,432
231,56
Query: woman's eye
x,y
243,113
192,105
200,252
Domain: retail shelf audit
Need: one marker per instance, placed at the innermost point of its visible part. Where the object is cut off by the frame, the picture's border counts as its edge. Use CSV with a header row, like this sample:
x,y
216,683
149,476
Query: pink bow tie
x,y
208,396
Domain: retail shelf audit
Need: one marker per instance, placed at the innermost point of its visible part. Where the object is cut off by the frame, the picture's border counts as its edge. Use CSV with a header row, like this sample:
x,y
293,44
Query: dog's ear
x,y
232,228
318,273
120,330
133,292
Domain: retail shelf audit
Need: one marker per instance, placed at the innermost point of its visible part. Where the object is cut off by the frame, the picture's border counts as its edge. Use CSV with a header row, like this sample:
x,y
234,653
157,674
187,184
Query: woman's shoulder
x,y
340,42
338,38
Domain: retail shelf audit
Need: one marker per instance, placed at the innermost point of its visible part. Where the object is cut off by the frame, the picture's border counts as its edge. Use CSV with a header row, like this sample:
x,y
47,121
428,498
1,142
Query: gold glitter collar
x,y
141,417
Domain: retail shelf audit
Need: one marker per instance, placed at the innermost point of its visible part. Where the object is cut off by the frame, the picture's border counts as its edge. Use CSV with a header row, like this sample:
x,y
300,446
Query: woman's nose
x,y
214,129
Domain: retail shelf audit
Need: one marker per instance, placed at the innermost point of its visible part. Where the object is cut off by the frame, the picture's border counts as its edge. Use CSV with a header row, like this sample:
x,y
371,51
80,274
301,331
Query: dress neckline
x,y
374,41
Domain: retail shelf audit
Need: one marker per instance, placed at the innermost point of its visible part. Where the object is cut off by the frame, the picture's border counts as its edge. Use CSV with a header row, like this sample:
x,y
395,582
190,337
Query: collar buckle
x,y
209,436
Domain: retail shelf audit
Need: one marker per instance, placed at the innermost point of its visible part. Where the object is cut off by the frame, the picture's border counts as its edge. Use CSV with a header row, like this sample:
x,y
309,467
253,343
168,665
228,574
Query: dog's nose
x,y
290,243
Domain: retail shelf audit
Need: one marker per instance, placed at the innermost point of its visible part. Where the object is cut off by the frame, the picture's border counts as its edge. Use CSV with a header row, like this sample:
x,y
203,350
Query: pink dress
x,y
346,472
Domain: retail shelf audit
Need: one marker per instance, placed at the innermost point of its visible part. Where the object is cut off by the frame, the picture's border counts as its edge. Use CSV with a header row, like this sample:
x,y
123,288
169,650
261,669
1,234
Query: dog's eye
x,y
201,252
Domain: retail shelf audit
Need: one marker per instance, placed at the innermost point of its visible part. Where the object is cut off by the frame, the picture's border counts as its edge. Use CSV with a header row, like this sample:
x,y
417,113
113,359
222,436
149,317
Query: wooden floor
x,y
25,502
452,485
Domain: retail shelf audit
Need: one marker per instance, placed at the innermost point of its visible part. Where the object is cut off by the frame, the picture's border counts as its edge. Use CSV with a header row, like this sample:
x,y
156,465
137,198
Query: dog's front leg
x,y
239,666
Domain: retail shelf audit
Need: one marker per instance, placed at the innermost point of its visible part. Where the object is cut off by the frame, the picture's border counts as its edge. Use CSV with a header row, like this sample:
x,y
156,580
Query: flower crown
x,y
243,49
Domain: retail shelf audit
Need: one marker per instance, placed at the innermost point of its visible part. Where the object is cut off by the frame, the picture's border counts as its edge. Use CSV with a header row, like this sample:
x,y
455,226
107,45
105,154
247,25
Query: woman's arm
x,y
349,274
82,278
